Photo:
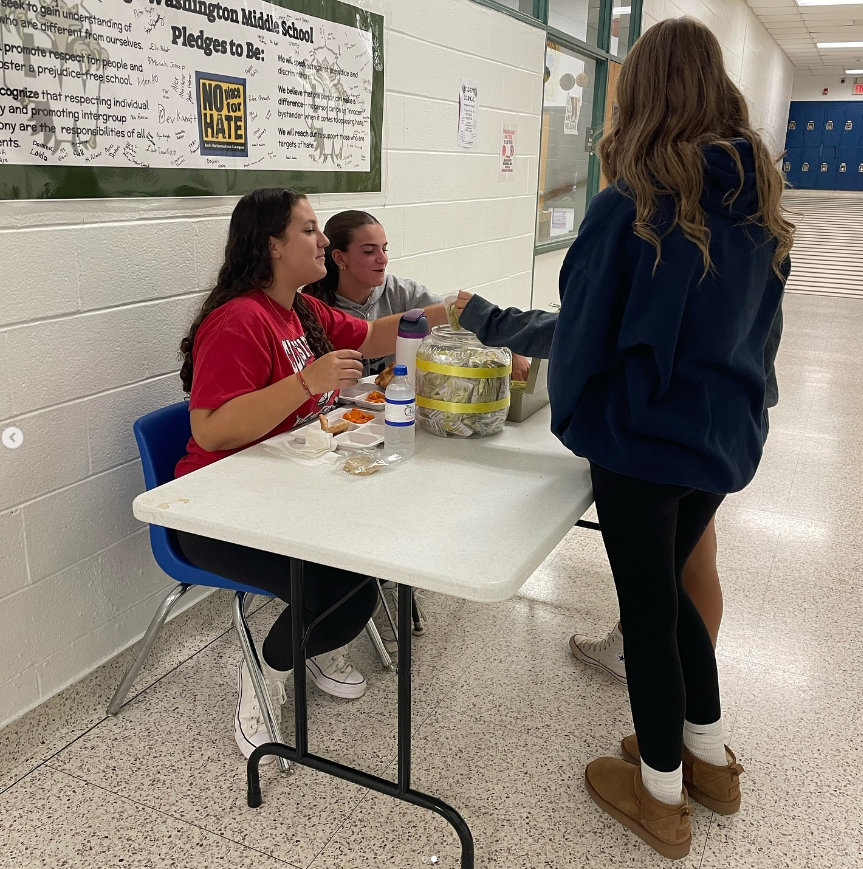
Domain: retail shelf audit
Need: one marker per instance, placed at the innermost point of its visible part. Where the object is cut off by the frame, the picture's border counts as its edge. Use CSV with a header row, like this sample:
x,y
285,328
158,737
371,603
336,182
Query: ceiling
x,y
797,29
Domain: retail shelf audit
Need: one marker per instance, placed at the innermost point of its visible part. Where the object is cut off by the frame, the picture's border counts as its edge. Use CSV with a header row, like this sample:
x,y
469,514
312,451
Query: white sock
x,y
667,787
706,741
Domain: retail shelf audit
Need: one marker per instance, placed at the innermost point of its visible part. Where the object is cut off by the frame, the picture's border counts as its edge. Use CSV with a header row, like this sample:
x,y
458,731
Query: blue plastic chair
x,y
162,437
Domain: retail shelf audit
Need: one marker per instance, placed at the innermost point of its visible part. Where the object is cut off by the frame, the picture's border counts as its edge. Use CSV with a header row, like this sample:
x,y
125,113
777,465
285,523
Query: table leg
x,y
405,618
301,717
300,753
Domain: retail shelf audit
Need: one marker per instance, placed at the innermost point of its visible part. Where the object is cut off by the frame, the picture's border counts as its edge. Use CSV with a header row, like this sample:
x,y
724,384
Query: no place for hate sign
x,y
188,96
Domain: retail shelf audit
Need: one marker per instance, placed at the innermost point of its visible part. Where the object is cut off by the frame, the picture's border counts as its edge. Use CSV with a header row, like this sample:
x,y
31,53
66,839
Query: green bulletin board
x,y
131,98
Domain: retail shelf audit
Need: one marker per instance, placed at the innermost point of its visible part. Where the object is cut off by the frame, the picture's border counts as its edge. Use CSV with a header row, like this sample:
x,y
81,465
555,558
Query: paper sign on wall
x,y
562,221
467,114
570,120
508,134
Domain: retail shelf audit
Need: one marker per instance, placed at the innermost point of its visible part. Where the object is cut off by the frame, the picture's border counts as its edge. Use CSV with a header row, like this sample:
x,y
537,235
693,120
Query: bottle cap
x,y
400,371
413,324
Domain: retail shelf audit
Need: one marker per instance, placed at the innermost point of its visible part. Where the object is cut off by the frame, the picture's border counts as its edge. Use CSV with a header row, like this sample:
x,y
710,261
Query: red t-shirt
x,y
245,345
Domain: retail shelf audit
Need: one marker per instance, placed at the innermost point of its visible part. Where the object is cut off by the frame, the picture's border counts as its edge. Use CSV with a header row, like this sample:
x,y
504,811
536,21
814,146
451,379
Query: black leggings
x,y
649,531
323,587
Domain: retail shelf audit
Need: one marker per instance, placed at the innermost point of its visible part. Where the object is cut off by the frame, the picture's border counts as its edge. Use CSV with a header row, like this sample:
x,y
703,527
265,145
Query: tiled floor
x,y
505,720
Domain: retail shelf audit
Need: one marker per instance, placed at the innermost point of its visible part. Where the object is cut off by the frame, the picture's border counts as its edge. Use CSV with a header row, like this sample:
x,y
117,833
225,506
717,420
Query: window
x,y
578,18
524,6
621,17
522,9
566,159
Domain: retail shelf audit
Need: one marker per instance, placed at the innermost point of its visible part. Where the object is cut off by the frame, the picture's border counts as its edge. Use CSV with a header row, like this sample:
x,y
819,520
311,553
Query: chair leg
x,y
146,647
380,648
419,617
272,723
389,615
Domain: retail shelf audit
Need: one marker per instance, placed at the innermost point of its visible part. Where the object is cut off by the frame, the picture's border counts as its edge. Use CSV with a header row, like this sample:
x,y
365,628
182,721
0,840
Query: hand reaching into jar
x,y
520,364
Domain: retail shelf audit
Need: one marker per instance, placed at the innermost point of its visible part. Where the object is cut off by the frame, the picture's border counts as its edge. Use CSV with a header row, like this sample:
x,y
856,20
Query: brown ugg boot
x,y
715,787
616,787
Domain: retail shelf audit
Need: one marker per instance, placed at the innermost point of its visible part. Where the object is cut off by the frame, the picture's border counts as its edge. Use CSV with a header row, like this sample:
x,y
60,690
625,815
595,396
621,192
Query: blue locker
x,y
834,124
846,169
809,167
796,125
852,129
813,126
825,177
858,175
791,166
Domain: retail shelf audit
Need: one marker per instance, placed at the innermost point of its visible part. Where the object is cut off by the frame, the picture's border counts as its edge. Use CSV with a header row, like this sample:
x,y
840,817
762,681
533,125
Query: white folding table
x,y
469,518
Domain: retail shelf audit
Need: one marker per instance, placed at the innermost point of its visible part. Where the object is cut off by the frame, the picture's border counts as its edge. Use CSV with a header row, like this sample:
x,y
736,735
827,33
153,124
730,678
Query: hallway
x,y
827,256
505,719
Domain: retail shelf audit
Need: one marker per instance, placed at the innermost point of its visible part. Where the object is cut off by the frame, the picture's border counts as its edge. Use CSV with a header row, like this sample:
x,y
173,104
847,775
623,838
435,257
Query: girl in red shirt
x,y
261,358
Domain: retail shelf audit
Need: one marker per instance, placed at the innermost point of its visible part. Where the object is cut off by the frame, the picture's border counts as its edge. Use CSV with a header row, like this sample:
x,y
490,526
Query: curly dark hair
x,y
259,216
340,231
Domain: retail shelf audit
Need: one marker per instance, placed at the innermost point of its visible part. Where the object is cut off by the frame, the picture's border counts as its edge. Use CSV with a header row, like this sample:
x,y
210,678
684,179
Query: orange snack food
x,y
375,397
357,416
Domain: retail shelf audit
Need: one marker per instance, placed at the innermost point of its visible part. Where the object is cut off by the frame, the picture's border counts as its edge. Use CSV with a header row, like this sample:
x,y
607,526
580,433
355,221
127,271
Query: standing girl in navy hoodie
x,y
657,377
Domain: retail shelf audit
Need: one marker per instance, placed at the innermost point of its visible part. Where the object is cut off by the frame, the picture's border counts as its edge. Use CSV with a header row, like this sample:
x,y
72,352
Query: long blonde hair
x,y
675,98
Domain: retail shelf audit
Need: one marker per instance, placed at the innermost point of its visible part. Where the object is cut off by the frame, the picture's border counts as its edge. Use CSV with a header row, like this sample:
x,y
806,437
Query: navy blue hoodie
x,y
660,375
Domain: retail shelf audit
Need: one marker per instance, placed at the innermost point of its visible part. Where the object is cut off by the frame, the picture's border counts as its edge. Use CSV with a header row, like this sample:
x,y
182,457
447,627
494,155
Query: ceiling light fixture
x,y
839,44
621,10
854,72
828,2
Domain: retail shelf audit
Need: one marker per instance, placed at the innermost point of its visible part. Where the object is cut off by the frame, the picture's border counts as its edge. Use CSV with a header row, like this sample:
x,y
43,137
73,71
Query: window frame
x,y
601,59
537,19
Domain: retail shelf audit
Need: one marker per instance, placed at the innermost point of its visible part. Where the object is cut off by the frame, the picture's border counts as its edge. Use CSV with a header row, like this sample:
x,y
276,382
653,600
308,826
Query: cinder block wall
x,y
96,296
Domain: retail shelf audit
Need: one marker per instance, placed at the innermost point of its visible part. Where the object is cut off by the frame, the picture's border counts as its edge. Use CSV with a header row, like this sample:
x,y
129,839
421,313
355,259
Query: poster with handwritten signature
x,y
156,97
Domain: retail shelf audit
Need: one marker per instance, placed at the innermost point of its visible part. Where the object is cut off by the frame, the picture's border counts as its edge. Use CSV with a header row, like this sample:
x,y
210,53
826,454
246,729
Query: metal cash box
x,y
529,397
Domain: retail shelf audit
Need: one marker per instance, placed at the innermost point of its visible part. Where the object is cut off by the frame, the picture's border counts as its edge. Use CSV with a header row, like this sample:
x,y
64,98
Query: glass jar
x,y
462,386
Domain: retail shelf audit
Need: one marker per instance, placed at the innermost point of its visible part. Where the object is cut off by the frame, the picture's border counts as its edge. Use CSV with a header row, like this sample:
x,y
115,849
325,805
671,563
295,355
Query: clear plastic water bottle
x,y
400,414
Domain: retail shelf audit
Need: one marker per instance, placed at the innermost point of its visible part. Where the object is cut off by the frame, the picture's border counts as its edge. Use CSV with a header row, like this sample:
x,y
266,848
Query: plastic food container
x,y
462,386
360,393
362,439
374,427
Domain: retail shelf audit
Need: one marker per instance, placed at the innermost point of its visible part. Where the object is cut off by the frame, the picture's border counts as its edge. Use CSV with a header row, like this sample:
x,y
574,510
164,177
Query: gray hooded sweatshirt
x,y
394,296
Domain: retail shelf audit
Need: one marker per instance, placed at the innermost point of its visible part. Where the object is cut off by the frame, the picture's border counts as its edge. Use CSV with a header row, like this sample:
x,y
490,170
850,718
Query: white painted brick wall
x,y
13,558
811,87
96,295
755,62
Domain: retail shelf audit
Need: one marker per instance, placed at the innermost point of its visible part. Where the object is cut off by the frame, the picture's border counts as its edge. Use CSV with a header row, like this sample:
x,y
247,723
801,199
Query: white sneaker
x,y
249,728
606,655
333,674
